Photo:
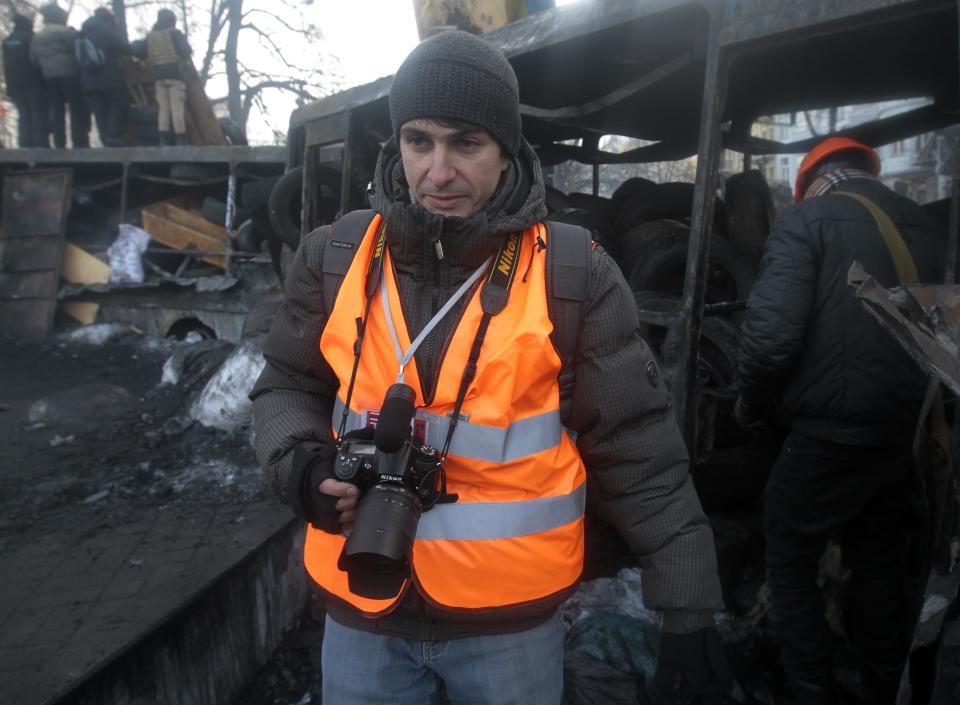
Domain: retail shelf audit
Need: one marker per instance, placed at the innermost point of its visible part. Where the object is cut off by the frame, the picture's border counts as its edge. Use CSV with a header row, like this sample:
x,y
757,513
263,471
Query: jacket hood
x,y
516,204
22,24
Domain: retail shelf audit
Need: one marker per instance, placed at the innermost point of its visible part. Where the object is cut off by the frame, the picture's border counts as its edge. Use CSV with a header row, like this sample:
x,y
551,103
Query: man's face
x,y
451,170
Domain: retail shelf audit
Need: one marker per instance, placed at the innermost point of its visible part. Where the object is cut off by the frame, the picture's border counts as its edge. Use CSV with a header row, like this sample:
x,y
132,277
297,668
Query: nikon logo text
x,y
508,255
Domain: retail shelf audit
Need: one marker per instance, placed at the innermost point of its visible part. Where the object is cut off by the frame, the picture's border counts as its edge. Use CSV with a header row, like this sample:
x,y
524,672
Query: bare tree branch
x,y
274,17
217,10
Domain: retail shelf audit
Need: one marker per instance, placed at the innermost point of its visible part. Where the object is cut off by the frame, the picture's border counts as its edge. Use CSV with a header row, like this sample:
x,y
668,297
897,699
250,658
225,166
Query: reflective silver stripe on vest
x,y
491,444
485,521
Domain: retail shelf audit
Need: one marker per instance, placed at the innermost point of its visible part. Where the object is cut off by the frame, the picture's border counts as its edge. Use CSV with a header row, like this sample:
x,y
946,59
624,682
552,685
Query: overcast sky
x,y
370,37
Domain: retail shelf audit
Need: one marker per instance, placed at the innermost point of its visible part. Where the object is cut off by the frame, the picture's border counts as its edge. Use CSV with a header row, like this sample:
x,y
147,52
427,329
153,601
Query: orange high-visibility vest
x,y
516,533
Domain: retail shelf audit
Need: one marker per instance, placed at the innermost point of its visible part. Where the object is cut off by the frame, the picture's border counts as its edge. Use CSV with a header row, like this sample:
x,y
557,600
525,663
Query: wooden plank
x,y
35,207
202,125
30,254
28,285
35,202
192,218
80,267
182,237
81,311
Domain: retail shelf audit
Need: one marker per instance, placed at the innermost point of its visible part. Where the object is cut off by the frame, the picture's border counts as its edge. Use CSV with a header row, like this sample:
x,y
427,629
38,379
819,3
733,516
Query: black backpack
x,y
568,276
89,56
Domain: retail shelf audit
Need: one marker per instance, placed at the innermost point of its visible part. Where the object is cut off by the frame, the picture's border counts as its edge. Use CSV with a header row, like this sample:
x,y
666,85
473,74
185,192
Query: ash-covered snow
x,y
97,334
223,403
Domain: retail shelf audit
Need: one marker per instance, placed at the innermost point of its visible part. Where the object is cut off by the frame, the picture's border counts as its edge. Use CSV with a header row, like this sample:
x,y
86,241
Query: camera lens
x,y
377,553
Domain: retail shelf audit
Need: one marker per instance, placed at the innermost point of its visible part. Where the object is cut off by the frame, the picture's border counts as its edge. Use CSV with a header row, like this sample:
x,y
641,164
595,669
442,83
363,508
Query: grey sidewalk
x,y
73,601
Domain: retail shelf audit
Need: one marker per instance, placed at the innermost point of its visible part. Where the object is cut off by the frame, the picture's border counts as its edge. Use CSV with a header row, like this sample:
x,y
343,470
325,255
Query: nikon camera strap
x,y
568,276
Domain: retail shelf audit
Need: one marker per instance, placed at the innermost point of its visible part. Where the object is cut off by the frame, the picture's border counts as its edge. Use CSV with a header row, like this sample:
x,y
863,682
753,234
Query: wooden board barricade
x,y
35,207
180,228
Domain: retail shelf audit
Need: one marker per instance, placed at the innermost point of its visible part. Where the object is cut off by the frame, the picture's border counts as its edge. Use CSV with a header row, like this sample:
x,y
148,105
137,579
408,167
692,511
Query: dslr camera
x,y
399,479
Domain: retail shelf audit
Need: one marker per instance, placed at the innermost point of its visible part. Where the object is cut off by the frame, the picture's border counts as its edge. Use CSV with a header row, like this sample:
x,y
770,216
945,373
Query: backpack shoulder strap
x,y
568,279
899,252
339,248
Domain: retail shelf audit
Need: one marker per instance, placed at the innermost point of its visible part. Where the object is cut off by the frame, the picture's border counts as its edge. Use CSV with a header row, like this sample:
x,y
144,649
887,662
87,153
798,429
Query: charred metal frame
x,y
733,29
729,30
129,159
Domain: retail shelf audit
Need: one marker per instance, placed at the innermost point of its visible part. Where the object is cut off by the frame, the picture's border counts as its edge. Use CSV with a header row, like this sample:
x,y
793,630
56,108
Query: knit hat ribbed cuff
x,y
456,76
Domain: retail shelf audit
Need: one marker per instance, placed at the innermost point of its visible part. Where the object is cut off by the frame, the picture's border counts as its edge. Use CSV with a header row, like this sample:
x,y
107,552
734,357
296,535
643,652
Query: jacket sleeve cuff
x,y
687,621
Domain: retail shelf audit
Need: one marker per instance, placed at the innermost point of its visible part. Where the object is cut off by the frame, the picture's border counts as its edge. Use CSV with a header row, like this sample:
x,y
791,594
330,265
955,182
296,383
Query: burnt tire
x,y
749,212
633,244
633,187
729,275
247,238
256,194
598,227
215,211
285,206
669,200
603,207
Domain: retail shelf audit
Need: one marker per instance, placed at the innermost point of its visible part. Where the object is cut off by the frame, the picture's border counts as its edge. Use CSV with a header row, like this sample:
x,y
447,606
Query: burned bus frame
x,y
691,78
688,77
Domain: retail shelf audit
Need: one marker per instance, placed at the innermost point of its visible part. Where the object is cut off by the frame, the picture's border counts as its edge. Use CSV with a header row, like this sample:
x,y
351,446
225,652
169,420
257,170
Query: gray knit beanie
x,y
457,76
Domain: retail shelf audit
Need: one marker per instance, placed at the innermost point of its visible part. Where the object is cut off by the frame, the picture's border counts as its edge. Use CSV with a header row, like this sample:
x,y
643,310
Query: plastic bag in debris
x,y
610,659
223,403
125,254
619,595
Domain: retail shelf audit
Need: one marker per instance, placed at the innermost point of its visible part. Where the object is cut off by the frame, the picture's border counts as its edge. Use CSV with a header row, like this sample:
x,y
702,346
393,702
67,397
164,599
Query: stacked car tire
x,y
645,227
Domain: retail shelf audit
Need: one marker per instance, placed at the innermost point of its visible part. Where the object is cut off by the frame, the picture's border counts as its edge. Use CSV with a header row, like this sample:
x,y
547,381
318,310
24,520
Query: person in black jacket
x,y
25,85
104,86
53,50
854,397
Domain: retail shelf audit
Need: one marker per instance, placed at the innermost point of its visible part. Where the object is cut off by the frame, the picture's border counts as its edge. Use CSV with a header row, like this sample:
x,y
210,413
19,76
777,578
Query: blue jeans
x,y
524,668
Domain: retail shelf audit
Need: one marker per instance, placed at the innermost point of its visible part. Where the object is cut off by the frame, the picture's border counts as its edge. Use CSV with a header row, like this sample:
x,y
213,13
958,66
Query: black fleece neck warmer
x,y
517,203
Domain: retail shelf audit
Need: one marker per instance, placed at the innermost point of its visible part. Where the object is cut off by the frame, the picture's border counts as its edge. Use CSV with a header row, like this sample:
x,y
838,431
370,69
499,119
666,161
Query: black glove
x,y
310,468
692,668
363,434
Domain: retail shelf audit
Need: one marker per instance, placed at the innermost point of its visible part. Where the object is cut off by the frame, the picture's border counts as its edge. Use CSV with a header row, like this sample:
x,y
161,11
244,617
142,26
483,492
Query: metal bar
x,y
349,154
686,388
953,235
190,252
124,187
182,266
231,213
145,155
596,179
614,97
199,253
724,307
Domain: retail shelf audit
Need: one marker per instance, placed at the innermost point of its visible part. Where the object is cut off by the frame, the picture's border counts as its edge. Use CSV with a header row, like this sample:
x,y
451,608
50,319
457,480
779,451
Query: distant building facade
x,y
917,167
